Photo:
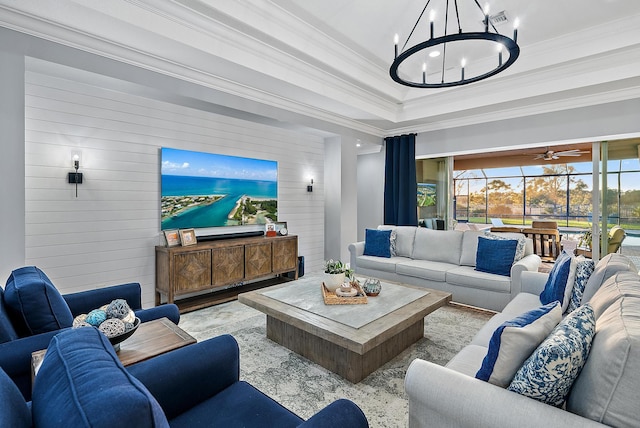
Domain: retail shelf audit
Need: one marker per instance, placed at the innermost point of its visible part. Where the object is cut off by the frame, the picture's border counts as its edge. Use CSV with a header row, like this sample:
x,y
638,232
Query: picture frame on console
x,y
281,228
188,237
270,229
172,238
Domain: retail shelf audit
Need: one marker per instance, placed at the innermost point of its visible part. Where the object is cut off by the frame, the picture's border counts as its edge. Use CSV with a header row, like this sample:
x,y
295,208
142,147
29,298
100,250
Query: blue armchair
x,y
32,311
81,383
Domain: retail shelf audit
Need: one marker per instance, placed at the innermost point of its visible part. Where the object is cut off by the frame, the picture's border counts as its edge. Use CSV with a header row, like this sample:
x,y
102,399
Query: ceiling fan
x,y
551,155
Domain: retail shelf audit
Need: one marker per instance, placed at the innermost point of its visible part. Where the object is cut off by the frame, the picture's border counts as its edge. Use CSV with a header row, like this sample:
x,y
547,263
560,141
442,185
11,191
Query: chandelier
x,y
443,60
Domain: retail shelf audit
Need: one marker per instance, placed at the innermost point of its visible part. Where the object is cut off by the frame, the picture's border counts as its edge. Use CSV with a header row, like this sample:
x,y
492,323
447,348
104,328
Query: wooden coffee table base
x,y
353,366
350,352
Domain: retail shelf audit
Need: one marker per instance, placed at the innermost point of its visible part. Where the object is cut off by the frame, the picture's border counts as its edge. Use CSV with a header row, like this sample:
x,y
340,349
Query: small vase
x,y
333,280
372,287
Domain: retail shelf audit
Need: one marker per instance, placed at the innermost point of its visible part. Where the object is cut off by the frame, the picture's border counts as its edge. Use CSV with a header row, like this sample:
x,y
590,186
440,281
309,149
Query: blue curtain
x,y
400,187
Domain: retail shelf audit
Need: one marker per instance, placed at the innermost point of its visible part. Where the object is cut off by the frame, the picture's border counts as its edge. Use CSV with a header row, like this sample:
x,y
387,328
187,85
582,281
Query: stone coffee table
x,y
350,340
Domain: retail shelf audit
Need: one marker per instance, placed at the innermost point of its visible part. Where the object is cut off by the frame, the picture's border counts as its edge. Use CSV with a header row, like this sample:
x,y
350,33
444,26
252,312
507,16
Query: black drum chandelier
x,y
487,48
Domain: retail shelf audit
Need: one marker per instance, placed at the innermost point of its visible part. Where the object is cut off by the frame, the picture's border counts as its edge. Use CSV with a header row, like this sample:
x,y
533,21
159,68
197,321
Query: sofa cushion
x,y
468,360
433,271
607,388
514,340
495,256
14,410
608,266
469,247
377,243
239,405
81,382
404,238
549,372
34,303
554,289
584,269
620,285
437,245
7,332
523,302
467,276
519,248
379,263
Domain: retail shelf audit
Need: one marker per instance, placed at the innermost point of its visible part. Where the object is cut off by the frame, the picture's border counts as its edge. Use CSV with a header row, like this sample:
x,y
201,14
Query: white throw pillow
x,y
514,341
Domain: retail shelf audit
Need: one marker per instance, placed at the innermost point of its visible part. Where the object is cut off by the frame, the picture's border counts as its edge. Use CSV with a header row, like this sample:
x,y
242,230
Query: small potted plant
x,y
334,274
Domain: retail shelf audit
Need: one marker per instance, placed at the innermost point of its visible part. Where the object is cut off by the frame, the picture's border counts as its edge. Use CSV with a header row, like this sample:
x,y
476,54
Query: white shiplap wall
x,y
107,234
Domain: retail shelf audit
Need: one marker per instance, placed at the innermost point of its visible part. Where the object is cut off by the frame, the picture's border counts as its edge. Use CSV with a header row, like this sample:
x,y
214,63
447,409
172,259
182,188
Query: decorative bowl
x,y
372,287
115,340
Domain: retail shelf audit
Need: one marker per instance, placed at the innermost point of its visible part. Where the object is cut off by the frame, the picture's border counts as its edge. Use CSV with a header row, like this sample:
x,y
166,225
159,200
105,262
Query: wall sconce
x,y
310,186
75,177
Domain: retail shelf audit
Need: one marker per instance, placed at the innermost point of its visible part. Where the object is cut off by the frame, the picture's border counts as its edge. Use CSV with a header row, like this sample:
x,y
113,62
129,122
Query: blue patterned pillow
x,y
495,256
584,269
393,239
377,243
549,372
554,289
513,342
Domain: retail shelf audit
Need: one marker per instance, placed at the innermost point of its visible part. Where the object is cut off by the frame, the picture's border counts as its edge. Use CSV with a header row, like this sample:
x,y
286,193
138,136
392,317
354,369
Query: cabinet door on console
x,y
192,271
228,265
285,255
257,260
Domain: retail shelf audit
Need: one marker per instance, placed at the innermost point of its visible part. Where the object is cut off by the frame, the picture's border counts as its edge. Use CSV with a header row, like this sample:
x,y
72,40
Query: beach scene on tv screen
x,y
202,190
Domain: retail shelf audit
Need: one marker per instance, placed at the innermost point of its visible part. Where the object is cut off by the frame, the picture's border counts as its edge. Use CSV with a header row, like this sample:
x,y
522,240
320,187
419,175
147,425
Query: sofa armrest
x,y
85,301
187,376
168,310
356,249
527,263
340,413
441,397
15,358
534,282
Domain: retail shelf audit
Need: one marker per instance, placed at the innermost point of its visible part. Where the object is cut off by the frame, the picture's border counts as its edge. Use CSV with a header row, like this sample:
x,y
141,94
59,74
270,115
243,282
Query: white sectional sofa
x,y
604,394
444,260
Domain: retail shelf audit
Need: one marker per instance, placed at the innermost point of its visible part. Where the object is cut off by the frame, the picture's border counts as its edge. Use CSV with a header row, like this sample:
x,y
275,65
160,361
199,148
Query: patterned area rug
x,y
305,388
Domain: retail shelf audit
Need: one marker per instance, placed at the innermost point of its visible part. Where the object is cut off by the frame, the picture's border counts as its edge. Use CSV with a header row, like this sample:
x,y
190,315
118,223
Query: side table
x,y
151,339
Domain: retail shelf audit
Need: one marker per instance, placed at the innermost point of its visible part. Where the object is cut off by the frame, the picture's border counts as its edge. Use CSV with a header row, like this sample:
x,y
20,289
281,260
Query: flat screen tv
x,y
205,190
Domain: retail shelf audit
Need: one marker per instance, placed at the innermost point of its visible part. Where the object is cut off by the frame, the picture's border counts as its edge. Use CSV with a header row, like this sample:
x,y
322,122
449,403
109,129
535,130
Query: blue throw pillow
x,y
81,382
34,304
495,256
584,269
514,341
549,372
377,243
554,289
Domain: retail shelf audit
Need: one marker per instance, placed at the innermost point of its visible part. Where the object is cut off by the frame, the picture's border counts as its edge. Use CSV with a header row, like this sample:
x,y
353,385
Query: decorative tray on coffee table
x,y
330,298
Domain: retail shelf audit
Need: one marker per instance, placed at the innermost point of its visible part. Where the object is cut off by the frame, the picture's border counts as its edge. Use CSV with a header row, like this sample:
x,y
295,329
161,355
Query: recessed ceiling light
x,y
434,54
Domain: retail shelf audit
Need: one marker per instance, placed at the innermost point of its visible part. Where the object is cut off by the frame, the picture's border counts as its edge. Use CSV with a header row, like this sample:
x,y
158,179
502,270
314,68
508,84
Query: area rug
x,y
305,388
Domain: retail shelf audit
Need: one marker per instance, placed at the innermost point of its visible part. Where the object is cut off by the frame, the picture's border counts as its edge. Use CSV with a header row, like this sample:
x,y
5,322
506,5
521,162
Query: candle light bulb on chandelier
x,y
500,48
424,72
432,17
396,40
516,24
486,17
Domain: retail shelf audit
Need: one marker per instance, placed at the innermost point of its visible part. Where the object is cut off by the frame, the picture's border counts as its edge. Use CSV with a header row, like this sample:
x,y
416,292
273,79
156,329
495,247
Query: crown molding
x,y
60,25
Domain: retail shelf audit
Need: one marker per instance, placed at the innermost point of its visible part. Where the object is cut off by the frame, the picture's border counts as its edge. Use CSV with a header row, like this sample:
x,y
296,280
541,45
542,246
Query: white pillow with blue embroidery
x,y
549,372
514,341
584,269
